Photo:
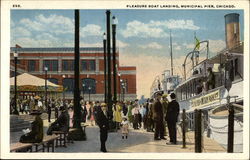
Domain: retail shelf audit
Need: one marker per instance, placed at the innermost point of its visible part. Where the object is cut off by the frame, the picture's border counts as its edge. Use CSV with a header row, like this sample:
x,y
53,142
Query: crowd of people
x,y
155,115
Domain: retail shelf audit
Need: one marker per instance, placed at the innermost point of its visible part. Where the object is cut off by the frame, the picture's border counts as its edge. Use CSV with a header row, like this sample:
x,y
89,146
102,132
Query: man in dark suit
x,y
158,118
171,118
103,123
61,124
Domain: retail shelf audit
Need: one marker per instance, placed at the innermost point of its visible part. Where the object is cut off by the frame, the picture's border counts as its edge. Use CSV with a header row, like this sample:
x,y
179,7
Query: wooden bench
x,y
84,126
69,138
20,146
62,138
48,141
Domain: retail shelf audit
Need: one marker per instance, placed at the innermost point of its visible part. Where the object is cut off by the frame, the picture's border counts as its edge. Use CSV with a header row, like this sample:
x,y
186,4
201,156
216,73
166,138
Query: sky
x,y
143,36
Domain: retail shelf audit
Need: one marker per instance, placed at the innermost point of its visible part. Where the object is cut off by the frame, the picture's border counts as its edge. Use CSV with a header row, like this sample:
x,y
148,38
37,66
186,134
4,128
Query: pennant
x,y
197,43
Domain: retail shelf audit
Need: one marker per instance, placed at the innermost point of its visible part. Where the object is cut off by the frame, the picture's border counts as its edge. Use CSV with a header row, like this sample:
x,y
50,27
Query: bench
x,y
20,146
48,141
63,137
70,140
84,126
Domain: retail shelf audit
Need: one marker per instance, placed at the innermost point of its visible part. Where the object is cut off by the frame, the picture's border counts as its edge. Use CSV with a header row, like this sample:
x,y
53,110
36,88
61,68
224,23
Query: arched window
x,y
68,83
53,80
89,85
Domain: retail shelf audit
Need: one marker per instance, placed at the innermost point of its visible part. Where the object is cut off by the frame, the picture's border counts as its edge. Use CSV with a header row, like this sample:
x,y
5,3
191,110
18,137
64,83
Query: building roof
x,y
55,49
31,80
61,49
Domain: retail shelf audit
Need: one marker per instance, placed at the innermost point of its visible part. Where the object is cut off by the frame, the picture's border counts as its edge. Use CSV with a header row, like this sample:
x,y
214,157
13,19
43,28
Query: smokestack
x,y
232,28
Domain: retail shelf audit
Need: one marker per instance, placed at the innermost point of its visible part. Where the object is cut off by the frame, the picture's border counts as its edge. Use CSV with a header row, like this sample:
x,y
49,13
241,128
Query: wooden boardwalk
x,y
210,146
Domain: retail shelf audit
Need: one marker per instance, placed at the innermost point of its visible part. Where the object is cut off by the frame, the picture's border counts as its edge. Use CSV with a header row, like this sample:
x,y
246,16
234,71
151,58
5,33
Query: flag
x,y
197,43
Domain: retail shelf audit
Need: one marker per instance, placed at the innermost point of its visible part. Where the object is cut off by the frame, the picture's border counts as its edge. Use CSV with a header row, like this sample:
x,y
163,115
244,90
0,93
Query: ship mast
x,y
171,54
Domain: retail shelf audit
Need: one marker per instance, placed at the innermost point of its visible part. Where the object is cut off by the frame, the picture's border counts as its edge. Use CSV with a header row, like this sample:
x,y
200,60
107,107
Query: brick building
x,y
60,64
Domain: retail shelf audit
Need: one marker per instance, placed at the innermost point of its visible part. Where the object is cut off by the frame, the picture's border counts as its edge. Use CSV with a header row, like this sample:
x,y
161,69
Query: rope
x,y
189,118
237,120
225,132
208,123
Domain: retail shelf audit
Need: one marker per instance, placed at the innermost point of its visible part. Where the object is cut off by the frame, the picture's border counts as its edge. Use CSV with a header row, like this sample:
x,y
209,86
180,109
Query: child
x,y
124,127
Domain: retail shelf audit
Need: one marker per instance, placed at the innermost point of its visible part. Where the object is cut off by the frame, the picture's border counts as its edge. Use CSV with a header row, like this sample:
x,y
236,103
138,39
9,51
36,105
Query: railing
x,y
202,124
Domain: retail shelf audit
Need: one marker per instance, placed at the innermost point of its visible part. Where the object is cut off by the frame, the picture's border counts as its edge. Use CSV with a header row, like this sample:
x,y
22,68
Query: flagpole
x,y
171,54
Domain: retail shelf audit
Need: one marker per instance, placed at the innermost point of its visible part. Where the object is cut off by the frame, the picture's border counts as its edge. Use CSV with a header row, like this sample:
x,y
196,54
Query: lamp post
x,y
109,96
46,70
119,80
15,59
89,93
114,56
63,89
105,67
77,107
123,91
83,87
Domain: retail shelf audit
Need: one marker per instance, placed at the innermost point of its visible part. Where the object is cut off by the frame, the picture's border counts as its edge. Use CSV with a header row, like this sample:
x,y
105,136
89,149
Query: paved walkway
x,y
138,141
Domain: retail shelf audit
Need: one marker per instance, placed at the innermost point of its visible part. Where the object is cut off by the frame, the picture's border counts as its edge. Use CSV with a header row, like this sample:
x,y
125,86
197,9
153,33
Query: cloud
x,y
53,23
148,67
91,30
32,25
156,29
216,45
20,32
91,45
121,44
27,42
138,29
176,24
12,23
152,45
177,48
46,36
188,46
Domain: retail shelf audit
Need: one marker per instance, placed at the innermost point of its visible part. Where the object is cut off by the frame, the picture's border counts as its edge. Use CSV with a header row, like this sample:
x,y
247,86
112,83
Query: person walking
x,y
103,123
91,114
135,113
172,117
130,115
158,118
49,109
117,115
84,112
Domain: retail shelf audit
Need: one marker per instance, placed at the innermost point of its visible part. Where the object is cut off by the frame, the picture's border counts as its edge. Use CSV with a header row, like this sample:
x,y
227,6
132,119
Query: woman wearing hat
x,y
36,134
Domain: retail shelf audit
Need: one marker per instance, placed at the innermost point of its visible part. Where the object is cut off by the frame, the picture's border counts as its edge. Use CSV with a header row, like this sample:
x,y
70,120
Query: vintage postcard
x,y
125,79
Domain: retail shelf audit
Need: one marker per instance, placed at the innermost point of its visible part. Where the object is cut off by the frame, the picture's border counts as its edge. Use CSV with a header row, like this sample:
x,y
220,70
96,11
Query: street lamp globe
x,y
104,36
115,20
46,68
15,54
89,88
